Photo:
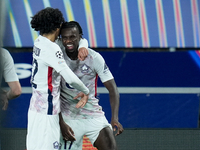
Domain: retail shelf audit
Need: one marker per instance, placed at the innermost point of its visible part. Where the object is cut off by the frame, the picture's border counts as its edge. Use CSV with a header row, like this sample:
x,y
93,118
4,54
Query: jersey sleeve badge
x,y
59,54
105,68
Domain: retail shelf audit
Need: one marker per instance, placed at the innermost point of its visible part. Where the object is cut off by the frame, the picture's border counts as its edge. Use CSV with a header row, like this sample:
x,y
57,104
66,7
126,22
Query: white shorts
x,y
88,127
43,131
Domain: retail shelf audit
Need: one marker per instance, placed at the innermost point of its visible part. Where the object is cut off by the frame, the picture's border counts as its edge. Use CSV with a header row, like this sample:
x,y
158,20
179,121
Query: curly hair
x,y
72,24
47,20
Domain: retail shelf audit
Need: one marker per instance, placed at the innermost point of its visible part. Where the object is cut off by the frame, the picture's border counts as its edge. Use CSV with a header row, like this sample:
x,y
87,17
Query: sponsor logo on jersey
x,y
60,62
56,145
59,54
85,68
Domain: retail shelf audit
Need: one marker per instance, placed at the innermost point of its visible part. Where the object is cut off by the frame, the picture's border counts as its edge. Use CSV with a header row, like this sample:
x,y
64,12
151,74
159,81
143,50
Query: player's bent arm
x,y
73,80
83,49
114,97
83,43
15,90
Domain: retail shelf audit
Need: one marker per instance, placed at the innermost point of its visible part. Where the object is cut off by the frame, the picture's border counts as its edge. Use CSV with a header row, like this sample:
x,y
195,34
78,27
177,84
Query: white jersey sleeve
x,y
83,43
9,72
101,68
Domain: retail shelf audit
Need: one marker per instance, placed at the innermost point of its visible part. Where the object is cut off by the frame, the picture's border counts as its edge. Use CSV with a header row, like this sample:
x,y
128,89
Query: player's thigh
x,y
94,126
105,140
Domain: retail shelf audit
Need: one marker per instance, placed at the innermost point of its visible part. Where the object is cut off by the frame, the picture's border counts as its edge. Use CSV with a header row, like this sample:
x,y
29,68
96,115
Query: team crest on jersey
x,y
85,68
105,66
59,54
56,145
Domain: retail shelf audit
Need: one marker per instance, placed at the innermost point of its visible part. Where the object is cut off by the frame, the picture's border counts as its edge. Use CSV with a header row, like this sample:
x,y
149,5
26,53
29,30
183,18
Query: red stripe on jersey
x,y
50,72
96,85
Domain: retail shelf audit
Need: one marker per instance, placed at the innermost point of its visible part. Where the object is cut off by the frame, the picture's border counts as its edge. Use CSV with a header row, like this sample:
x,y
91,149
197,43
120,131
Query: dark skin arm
x,y
114,102
67,132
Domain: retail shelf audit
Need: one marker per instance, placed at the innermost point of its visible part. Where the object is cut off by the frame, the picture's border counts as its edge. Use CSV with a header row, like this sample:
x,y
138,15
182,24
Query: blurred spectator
x,y
10,76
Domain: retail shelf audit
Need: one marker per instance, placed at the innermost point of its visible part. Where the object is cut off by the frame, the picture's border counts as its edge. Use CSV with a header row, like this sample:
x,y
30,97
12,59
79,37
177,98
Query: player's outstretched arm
x,y
114,102
73,80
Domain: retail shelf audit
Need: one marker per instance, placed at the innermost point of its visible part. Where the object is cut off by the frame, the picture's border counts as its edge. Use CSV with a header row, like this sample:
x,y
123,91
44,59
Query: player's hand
x,y
82,53
67,132
3,99
117,127
83,101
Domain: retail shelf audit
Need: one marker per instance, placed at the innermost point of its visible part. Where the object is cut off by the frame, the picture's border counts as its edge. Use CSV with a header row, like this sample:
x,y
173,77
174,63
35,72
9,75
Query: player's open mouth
x,y
70,46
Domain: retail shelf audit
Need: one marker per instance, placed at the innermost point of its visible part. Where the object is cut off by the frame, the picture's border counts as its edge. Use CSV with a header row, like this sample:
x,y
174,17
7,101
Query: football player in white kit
x,y
48,67
89,120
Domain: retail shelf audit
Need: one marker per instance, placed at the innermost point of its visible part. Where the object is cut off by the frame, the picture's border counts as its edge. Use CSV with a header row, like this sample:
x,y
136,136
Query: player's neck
x,y
50,36
72,55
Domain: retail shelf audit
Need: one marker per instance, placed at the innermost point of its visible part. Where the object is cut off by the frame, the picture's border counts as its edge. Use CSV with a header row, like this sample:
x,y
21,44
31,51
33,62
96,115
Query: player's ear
x,y
80,35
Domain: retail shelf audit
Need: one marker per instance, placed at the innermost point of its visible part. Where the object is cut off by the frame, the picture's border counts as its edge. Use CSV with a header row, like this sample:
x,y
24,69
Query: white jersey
x,y
48,64
8,67
88,72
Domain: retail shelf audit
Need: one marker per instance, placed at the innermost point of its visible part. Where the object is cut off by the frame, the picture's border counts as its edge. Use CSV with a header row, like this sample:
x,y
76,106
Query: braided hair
x,y
72,24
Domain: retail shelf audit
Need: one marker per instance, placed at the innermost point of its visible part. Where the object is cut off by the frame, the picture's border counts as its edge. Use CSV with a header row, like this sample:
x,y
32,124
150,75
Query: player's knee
x,y
106,140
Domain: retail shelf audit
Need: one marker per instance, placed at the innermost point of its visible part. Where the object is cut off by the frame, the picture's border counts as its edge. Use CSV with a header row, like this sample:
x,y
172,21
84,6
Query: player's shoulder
x,y
46,44
4,51
93,53
5,54
45,49
48,47
59,42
